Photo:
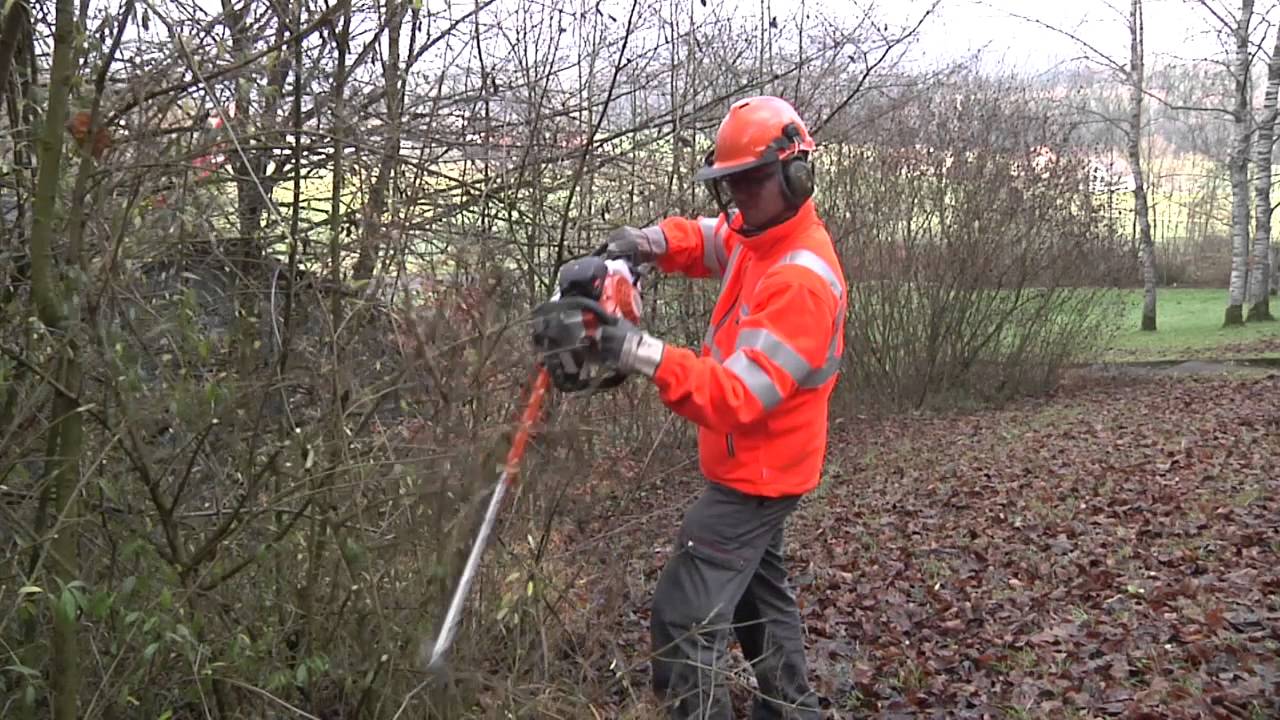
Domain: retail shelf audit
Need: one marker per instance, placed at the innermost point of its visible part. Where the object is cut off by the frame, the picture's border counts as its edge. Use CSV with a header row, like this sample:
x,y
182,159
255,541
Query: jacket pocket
x,y
728,445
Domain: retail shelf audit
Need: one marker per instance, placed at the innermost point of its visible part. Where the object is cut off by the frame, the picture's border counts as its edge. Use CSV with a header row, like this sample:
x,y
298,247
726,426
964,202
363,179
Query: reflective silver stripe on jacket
x,y
713,328
755,378
777,350
714,234
812,261
831,365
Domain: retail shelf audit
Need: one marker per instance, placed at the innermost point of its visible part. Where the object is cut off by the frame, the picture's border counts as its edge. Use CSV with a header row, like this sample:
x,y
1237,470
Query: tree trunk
x,y
13,25
372,226
66,433
1260,269
65,684
1240,173
16,102
1135,161
1275,276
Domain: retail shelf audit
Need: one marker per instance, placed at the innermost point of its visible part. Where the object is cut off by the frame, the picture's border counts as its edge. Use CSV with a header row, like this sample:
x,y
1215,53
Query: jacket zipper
x,y
715,330
728,443
732,270
727,314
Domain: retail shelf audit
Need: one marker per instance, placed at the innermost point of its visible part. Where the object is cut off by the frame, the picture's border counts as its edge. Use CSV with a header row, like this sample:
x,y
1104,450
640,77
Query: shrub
x,y
980,264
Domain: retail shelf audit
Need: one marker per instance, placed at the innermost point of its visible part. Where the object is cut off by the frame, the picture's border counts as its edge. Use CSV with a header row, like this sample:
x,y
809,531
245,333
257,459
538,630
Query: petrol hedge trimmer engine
x,y
602,290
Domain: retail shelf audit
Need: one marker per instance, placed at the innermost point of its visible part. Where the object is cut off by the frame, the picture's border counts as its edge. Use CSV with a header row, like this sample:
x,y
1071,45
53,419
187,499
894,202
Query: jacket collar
x,y
762,244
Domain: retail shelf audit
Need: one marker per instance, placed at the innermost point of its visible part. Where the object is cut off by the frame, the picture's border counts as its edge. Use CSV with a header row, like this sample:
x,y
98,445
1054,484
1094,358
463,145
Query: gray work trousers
x,y
727,572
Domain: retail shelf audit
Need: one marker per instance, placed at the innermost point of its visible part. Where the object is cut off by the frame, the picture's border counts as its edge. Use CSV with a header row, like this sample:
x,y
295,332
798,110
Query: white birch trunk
x,y
1240,173
1135,163
1260,269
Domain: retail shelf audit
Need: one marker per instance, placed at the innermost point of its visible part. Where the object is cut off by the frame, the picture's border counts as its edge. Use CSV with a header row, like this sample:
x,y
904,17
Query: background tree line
x,y
1188,141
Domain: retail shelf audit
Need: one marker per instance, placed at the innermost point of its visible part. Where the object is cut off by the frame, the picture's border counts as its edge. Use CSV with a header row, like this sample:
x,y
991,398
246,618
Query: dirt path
x,y
1239,367
1112,550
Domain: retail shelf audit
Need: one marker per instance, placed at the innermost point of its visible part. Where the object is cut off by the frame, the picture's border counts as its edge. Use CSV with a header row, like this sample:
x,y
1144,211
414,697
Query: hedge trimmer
x,y
601,290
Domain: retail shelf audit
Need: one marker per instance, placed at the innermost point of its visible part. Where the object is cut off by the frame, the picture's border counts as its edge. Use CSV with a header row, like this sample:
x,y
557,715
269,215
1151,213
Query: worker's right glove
x,y
637,245
627,349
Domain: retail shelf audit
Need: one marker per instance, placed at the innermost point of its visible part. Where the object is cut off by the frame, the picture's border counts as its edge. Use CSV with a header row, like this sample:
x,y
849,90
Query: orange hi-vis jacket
x,y
760,386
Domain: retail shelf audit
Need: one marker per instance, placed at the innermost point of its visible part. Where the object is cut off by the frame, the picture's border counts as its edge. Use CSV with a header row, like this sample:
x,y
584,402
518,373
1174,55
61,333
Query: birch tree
x,y
1239,169
1132,76
1135,163
1260,268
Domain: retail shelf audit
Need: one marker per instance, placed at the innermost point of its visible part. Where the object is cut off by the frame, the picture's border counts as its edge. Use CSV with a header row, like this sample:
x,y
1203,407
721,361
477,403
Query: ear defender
x,y
797,172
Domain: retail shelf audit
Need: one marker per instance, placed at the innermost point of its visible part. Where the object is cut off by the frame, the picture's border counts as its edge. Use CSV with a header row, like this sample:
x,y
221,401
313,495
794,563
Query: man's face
x,y
757,193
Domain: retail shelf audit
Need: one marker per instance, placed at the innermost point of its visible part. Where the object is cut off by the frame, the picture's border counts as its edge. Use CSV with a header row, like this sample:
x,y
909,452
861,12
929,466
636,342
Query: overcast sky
x,y
1174,28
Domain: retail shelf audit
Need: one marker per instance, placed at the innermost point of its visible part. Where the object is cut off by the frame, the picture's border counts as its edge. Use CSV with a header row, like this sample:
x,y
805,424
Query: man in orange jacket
x,y
758,389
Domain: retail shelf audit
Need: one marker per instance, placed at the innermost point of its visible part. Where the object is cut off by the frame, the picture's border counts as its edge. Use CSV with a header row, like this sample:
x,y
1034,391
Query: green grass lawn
x,y
1189,323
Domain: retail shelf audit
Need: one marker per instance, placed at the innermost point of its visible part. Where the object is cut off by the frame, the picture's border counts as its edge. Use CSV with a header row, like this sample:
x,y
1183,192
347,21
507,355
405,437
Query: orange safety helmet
x,y
756,131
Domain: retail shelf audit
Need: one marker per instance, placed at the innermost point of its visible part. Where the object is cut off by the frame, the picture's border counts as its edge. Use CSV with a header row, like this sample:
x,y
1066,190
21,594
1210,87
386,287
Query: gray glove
x,y
557,328
637,245
627,349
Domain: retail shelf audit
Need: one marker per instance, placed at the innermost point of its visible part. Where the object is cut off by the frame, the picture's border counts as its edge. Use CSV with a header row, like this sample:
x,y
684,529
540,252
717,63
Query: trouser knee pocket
x,y
701,584
707,551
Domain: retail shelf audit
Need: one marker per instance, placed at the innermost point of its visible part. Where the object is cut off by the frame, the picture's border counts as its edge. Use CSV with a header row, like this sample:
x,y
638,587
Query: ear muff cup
x,y
797,173
797,179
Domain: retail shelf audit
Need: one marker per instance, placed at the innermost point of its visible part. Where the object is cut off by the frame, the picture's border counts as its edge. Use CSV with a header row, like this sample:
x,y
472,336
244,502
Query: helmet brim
x,y
713,172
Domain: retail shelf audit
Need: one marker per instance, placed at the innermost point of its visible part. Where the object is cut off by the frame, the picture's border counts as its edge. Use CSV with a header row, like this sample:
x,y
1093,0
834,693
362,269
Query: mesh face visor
x,y
721,184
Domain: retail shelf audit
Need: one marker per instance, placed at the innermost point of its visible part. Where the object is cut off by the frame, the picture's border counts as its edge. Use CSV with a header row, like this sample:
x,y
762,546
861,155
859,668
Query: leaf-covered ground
x,y
1110,551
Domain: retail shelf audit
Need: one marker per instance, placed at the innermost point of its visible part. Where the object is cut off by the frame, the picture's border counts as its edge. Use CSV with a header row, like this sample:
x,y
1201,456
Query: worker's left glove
x,y
557,328
627,349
